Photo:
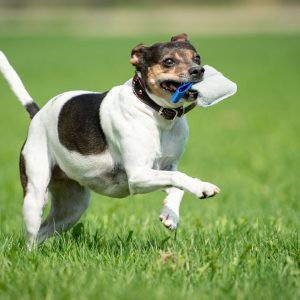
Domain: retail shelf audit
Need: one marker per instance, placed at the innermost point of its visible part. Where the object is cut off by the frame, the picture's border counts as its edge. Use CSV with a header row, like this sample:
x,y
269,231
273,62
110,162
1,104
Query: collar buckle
x,y
162,112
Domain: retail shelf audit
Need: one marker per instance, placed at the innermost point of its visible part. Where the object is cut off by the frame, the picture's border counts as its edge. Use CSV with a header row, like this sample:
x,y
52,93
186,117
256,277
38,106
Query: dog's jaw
x,y
163,102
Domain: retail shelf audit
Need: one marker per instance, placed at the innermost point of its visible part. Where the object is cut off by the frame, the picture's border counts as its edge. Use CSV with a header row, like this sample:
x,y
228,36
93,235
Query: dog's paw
x,y
169,218
207,190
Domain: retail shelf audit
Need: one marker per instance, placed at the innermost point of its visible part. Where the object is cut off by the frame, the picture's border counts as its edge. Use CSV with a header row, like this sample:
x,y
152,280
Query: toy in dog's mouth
x,y
172,86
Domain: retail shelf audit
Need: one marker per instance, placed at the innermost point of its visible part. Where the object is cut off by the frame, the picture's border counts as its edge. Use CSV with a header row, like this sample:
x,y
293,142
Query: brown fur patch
x,y
23,175
79,124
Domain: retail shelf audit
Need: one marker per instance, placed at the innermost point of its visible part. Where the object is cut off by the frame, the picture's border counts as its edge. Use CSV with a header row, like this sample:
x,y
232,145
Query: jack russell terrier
x,y
128,140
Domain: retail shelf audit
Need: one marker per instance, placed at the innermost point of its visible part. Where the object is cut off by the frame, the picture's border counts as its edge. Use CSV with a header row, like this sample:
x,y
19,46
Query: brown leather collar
x,y
167,113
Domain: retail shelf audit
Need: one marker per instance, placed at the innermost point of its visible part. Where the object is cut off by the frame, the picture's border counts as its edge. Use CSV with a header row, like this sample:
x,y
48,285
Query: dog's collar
x,y
167,113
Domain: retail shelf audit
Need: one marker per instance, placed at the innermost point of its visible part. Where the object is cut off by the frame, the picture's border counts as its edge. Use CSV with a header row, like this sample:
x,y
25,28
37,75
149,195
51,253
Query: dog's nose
x,y
196,72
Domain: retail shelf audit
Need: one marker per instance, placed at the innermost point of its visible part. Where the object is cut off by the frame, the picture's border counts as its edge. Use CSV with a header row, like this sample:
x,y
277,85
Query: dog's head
x,y
165,66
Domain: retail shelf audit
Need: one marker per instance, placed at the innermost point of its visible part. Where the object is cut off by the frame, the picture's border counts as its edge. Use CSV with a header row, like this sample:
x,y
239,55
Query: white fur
x,y
146,146
14,80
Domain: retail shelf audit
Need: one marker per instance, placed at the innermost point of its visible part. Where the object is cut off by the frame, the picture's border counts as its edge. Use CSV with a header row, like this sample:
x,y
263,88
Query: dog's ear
x,y
137,54
180,38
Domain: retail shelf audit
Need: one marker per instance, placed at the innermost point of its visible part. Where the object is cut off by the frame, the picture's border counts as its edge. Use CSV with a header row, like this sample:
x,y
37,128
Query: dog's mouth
x,y
171,86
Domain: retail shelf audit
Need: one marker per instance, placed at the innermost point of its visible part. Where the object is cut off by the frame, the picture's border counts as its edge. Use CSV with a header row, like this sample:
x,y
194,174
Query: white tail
x,y
17,86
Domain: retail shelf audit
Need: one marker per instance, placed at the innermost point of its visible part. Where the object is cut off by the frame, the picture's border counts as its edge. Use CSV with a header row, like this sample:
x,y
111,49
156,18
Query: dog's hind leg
x,y
35,172
69,200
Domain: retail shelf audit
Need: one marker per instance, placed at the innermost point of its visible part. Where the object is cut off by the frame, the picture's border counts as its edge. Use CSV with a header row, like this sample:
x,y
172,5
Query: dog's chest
x,y
169,150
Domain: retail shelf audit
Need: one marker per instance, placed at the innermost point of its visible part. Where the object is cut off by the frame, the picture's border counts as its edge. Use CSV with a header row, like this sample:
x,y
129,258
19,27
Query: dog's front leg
x,y
139,156
144,180
169,215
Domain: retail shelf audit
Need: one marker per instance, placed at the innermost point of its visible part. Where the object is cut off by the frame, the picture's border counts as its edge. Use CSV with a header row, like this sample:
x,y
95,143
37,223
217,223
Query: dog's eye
x,y
197,60
169,62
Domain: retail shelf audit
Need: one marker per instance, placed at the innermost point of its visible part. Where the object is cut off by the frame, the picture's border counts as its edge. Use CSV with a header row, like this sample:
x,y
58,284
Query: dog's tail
x,y
17,86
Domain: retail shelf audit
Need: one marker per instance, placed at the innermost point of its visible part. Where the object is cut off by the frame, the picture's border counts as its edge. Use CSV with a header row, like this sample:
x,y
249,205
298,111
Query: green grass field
x,y
242,244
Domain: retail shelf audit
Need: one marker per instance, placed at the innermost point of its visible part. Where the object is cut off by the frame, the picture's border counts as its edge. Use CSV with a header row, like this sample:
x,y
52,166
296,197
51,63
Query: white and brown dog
x,y
128,140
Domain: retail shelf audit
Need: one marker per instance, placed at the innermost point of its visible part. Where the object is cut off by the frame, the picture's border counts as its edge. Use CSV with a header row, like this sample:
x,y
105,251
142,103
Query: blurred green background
x,y
242,244
132,18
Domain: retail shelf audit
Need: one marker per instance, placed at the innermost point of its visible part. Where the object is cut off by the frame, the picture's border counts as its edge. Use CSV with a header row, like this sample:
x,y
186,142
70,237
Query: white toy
x,y
214,87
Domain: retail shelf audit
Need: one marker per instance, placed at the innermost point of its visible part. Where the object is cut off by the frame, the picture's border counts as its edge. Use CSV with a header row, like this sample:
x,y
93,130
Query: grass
x,y
243,244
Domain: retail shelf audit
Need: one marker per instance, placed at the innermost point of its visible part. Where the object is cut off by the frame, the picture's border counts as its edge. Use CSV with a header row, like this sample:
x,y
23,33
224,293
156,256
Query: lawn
x,y
242,244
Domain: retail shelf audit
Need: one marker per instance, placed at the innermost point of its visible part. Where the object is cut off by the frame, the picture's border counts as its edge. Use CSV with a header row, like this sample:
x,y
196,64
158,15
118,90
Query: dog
x,y
122,142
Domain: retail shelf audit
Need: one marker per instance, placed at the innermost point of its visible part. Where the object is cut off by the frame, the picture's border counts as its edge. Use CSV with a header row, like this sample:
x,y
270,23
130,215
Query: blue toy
x,y
181,91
